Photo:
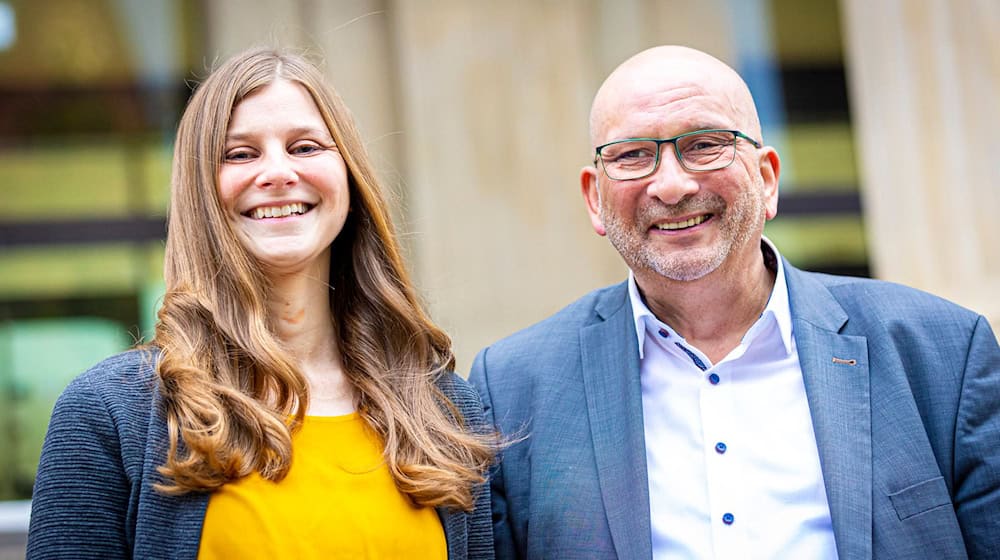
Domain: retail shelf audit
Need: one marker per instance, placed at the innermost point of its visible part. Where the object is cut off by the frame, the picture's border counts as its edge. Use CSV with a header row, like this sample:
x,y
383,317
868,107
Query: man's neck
x,y
715,311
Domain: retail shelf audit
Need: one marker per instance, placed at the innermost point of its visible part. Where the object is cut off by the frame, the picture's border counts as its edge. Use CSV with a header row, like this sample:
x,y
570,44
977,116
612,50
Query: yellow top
x,y
338,501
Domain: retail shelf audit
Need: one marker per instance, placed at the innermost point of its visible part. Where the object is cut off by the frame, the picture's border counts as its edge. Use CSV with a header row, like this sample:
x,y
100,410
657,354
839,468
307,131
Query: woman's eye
x,y
305,149
239,155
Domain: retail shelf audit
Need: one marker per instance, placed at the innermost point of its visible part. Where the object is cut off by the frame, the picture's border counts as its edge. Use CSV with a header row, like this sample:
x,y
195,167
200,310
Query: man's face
x,y
680,224
687,240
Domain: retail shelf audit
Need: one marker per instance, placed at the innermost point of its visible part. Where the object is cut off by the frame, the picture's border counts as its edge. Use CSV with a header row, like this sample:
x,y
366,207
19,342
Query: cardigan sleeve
x,y
480,520
81,497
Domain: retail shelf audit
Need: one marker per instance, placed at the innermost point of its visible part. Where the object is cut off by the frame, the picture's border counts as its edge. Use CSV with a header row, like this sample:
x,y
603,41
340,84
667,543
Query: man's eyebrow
x,y
706,126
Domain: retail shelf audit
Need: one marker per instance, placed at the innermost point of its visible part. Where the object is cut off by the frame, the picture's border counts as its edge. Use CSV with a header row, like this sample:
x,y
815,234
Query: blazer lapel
x,y
610,358
836,375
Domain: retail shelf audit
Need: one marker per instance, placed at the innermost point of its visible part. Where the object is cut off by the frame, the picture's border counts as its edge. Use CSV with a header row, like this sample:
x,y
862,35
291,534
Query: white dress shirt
x,y
731,454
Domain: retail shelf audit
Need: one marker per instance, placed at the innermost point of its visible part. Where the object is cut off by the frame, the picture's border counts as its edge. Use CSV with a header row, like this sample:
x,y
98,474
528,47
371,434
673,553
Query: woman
x,y
295,401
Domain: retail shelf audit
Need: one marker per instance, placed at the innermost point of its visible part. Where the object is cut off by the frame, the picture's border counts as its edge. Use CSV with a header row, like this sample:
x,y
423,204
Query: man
x,y
721,403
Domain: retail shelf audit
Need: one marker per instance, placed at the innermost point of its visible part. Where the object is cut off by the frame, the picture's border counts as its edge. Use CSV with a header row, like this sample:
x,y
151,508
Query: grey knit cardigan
x,y
93,495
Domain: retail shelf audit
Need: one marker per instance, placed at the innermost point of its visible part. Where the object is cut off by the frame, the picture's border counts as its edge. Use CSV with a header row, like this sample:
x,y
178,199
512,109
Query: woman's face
x,y
283,183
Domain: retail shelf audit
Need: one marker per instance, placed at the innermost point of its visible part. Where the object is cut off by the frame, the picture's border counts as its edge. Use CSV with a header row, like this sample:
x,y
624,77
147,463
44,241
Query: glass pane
x,y
90,94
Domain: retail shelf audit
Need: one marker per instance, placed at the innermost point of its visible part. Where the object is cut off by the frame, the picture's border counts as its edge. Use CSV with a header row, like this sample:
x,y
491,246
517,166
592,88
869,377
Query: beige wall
x,y
478,112
925,77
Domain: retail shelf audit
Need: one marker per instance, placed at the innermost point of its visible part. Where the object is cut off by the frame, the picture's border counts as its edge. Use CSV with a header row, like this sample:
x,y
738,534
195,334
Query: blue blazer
x,y
908,435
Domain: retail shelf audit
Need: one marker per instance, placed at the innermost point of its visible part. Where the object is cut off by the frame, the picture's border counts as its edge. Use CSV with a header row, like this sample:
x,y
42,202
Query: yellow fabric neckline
x,y
333,419
338,500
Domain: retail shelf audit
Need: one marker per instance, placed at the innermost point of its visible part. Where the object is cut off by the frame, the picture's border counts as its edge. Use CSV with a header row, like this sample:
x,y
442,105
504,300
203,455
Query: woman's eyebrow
x,y
304,130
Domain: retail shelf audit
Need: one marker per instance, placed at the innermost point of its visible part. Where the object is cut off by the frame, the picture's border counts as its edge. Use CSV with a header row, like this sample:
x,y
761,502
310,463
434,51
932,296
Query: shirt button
x,y
664,333
720,448
713,379
728,518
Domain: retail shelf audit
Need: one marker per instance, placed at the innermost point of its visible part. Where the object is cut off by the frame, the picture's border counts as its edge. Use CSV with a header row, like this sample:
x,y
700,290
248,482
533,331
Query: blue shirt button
x,y
713,379
664,333
720,448
728,518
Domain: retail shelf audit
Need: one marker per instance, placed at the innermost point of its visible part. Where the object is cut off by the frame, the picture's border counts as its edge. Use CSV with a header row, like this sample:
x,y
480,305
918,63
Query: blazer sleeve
x,y
81,494
977,446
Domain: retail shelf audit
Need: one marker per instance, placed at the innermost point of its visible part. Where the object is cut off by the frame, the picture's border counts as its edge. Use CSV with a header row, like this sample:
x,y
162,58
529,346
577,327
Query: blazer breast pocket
x,y
920,497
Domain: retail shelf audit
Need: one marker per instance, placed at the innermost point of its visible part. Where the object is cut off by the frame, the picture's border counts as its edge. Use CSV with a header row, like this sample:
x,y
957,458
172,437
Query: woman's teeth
x,y
262,212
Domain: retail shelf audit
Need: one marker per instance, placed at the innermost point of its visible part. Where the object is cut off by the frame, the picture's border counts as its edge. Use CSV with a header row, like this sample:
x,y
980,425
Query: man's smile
x,y
672,226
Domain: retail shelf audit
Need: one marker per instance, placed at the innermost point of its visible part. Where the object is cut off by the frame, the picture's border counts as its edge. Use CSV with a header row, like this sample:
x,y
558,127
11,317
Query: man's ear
x,y
770,171
592,197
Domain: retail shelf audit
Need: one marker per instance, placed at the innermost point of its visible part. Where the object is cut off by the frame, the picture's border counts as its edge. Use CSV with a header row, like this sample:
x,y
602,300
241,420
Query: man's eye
x,y
637,153
628,151
709,142
702,145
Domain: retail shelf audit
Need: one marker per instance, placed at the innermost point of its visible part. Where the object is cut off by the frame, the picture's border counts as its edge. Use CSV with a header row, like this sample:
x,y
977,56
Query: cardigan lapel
x,y
172,524
610,359
835,372
455,532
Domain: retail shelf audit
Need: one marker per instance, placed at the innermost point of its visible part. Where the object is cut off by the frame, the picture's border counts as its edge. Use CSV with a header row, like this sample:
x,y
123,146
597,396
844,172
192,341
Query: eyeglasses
x,y
700,150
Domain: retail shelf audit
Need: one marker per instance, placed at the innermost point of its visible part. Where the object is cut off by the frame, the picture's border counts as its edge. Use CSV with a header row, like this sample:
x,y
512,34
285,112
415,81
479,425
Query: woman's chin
x,y
283,264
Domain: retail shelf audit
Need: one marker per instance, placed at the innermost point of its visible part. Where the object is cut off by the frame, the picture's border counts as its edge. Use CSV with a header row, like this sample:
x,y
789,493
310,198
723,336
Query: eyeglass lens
x,y
697,152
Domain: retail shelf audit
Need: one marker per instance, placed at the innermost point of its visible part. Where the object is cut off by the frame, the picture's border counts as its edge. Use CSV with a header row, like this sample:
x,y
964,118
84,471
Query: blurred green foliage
x,y
79,271
86,178
38,358
819,241
822,155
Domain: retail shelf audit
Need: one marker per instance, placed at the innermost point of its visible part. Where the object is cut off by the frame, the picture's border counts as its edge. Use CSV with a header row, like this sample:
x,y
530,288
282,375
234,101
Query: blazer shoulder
x,y
908,315
889,299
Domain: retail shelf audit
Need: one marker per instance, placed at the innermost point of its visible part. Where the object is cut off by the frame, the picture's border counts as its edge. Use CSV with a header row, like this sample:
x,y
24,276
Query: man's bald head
x,y
667,75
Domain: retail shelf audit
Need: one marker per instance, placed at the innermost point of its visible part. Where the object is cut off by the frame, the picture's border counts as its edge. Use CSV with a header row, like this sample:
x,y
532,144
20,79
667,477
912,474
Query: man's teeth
x,y
681,225
278,211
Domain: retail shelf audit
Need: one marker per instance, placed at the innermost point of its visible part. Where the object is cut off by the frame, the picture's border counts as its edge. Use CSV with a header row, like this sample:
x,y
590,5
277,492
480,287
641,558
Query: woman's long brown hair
x,y
232,394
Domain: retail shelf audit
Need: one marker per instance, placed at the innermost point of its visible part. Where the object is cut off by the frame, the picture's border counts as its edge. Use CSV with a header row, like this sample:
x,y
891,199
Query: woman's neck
x,y
300,313
302,319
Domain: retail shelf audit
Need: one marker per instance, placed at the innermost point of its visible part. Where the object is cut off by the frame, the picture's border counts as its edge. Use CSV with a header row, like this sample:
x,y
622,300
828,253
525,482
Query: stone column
x,y
495,99
351,39
477,112
925,79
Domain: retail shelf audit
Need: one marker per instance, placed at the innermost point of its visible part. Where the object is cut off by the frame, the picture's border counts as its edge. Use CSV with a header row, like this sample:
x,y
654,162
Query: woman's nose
x,y
276,171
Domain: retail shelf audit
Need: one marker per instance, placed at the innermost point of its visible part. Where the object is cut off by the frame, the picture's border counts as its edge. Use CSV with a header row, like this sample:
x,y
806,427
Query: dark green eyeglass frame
x,y
661,141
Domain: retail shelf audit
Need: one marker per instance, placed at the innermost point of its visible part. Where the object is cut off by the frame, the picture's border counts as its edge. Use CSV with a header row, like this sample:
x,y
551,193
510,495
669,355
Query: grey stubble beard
x,y
638,252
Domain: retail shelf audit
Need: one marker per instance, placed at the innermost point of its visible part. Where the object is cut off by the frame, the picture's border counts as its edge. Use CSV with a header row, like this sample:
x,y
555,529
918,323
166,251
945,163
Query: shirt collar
x,y
777,303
